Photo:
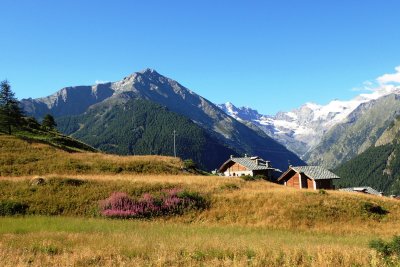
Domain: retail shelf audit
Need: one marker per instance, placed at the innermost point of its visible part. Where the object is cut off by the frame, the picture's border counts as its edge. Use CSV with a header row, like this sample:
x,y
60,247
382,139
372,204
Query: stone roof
x,y
362,189
251,163
315,172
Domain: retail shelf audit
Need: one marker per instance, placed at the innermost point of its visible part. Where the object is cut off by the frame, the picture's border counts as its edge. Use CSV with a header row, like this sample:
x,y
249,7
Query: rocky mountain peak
x,y
148,85
149,71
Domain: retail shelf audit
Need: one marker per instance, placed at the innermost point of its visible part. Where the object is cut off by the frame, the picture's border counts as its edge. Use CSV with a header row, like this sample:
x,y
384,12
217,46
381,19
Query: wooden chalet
x,y
312,177
252,166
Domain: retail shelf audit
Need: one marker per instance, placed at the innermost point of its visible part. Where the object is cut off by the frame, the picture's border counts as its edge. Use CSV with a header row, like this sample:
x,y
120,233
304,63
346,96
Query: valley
x,y
200,133
57,219
138,114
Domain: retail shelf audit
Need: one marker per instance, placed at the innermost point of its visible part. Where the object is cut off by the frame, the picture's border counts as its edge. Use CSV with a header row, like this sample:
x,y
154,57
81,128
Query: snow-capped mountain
x,y
301,129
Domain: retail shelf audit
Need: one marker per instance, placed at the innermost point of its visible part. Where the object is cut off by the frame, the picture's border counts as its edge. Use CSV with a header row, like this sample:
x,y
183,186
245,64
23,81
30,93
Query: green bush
x,y
71,182
373,210
189,164
9,207
322,192
389,250
200,202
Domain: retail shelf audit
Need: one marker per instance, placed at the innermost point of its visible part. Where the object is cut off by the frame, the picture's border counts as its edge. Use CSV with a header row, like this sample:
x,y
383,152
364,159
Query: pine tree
x,y
48,122
10,112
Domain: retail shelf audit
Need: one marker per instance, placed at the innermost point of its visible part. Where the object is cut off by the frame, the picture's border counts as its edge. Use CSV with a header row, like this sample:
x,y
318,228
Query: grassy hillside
x,y
52,138
140,127
32,154
58,221
234,201
247,223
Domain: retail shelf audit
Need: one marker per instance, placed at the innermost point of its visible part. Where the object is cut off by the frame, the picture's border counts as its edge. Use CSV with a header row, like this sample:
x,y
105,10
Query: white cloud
x,y
101,82
383,85
381,90
390,78
366,86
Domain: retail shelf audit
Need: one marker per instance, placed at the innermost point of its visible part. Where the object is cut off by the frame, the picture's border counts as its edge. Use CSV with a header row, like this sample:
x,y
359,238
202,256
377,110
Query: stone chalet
x,y
238,166
312,177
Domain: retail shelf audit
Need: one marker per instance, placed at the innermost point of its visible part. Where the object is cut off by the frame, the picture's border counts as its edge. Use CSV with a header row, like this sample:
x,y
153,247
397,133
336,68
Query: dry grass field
x,y
20,157
65,241
248,223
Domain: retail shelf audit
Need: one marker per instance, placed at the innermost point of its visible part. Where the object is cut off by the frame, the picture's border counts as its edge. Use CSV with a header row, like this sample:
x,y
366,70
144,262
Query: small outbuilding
x,y
252,166
362,189
312,177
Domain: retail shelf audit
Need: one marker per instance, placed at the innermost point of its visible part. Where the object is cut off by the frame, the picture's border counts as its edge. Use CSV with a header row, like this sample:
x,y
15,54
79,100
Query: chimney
x,y
245,155
231,156
257,162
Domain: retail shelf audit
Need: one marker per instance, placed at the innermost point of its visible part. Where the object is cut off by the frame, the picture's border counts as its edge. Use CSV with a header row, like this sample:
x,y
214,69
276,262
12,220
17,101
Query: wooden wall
x,y
237,167
237,170
310,183
293,181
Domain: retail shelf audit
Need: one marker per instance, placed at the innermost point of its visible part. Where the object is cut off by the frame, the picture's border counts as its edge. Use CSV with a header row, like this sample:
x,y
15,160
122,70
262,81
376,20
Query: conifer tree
x,y
48,122
10,112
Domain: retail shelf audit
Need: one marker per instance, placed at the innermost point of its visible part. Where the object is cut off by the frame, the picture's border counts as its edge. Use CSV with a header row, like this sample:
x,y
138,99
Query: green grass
x,y
161,229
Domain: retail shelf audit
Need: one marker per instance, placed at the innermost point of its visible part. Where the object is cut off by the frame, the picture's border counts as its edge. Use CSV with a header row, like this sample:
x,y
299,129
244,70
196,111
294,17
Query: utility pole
x,y
174,134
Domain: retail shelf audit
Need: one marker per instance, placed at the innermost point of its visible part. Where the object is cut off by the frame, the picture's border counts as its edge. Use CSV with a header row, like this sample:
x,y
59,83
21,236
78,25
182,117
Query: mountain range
x,y
138,115
110,116
312,131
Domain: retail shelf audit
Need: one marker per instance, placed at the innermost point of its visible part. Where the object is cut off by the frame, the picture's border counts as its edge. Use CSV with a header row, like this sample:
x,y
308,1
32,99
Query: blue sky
x,y
269,55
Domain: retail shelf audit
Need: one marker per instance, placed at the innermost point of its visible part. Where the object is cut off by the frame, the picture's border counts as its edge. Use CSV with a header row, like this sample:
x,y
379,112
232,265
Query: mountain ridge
x,y
303,128
150,85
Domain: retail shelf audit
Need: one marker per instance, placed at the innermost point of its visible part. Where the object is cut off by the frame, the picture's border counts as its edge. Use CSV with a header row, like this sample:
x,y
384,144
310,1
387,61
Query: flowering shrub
x,y
170,201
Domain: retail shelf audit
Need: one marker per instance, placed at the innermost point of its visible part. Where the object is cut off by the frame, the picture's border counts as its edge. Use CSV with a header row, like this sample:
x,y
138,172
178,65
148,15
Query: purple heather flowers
x,y
170,201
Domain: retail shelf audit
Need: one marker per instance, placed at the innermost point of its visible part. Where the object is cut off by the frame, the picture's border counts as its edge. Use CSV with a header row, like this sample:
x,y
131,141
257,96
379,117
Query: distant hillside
x,y
34,156
151,86
141,127
378,166
361,129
